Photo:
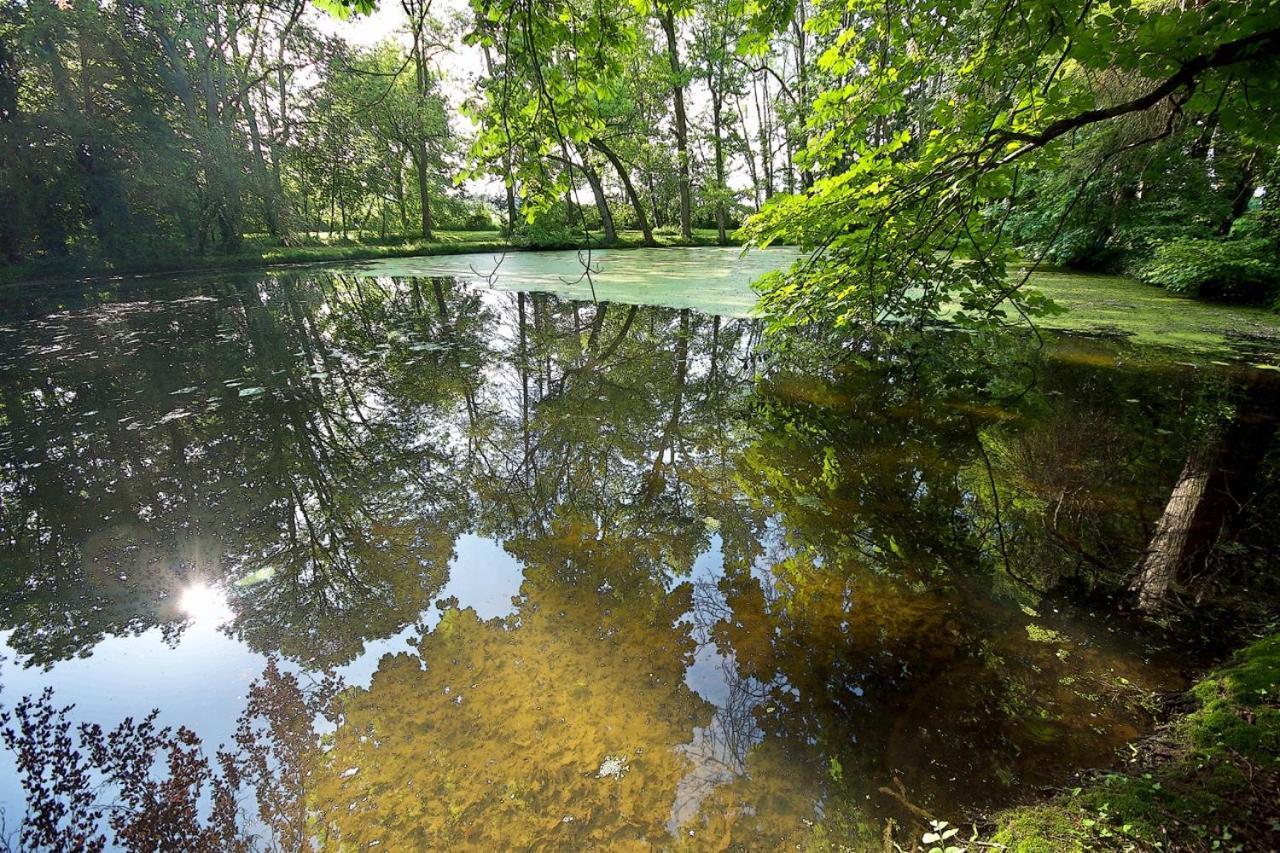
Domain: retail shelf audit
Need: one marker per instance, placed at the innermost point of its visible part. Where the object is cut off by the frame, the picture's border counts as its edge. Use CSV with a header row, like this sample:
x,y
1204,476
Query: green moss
x,y
1210,783
1240,710
1042,829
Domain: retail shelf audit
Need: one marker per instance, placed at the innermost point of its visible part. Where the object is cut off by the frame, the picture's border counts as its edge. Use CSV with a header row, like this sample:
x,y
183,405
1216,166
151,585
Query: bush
x,y
548,230
1237,270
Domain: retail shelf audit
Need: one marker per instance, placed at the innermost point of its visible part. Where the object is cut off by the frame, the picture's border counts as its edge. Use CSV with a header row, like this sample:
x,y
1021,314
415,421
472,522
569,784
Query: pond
x,y
441,564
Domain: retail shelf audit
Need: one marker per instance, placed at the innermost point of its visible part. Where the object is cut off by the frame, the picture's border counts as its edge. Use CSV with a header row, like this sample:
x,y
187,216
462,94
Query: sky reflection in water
x,y
541,540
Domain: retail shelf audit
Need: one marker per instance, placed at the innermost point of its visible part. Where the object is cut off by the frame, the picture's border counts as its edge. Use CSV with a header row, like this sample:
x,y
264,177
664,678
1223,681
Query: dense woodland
x,y
1129,135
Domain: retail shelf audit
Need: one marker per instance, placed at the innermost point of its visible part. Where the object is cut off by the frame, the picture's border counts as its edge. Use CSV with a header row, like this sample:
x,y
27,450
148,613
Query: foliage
x,y
932,120
1242,270
128,138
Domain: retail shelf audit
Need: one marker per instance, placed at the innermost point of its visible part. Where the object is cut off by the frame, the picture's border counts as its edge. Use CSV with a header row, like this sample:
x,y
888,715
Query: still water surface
x,y
543,573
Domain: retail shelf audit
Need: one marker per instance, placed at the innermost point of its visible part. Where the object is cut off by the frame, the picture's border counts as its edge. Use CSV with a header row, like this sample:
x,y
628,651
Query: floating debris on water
x,y
613,767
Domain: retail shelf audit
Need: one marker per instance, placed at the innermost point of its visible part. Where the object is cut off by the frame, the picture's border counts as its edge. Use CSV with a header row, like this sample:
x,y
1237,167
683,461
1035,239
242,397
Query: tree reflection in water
x,y
751,592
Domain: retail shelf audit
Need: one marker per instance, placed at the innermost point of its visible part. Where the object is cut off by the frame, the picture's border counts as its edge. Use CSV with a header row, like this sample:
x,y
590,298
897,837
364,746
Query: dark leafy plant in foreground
x,y
142,786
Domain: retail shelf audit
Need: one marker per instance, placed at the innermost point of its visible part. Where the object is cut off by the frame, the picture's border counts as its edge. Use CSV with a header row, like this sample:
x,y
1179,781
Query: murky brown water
x,y
495,570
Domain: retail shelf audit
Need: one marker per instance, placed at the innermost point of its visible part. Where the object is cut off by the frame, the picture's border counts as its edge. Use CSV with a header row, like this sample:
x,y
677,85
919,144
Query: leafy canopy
x,y
933,114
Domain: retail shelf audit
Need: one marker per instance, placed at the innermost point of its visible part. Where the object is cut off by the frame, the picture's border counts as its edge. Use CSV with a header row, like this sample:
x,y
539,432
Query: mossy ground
x,y
1209,780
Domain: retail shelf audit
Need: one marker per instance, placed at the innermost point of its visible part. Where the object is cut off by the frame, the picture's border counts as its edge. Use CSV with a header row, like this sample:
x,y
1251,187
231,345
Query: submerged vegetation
x,y
1205,781
749,586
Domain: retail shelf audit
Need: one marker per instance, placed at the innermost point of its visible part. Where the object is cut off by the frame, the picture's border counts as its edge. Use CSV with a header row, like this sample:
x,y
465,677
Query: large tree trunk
x,y
1167,553
637,204
667,17
1241,193
722,236
511,202
424,192
268,194
1205,506
507,179
659,217
802,84
400,201
764,110
752,171
418,14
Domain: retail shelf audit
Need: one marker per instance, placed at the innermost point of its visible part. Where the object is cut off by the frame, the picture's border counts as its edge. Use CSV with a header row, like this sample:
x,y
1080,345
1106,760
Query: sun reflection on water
x,y
205,605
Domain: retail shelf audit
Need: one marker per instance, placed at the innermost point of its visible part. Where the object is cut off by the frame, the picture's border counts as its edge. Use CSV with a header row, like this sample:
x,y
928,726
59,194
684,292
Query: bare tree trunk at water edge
x,y
1169,548
637,204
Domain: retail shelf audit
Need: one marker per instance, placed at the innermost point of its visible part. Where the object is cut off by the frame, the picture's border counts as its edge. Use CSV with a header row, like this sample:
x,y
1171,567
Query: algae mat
x,y
719,281
711,280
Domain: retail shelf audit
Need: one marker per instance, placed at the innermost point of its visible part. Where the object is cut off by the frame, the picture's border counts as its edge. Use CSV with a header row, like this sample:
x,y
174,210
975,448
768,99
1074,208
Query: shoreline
x,y
79,270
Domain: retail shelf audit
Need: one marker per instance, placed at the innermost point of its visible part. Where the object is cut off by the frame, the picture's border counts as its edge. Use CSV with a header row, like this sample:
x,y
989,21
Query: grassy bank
x,y
263,252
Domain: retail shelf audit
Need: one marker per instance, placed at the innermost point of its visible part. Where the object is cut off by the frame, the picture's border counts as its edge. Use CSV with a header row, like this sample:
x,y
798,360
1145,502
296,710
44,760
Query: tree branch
x,y
1231,53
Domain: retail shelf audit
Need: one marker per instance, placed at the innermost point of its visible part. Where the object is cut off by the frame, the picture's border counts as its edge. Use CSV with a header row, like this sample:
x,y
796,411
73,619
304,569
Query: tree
x,y
936,115
666,12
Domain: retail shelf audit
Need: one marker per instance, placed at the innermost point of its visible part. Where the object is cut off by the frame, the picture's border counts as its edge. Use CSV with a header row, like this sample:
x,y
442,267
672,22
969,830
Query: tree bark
x,y
424,191
717,110
1242,192
667,18
637,204
1206,504
418,14
602,202
802,86
1167,552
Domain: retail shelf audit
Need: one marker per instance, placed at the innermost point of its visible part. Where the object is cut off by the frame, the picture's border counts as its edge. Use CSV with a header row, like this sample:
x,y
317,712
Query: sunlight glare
x,y
205,604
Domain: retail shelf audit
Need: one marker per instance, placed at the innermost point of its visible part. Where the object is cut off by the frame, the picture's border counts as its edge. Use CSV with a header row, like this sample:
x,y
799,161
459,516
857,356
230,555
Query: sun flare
x,y
204,604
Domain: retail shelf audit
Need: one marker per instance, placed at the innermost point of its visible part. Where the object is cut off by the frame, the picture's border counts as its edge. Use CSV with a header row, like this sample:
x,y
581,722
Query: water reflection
x,y
493,569
205,605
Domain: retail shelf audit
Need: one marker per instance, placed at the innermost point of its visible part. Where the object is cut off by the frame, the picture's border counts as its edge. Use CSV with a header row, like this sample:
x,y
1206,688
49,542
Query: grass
x,y
261,251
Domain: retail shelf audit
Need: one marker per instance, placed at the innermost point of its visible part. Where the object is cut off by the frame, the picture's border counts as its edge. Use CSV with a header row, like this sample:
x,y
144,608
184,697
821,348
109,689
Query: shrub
x,y
1238,270
548,230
